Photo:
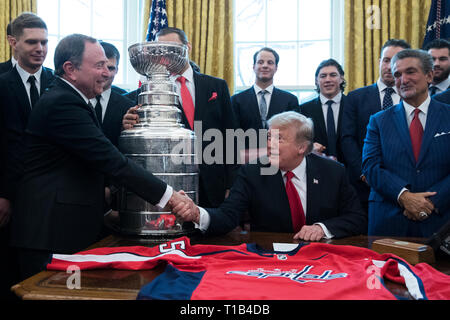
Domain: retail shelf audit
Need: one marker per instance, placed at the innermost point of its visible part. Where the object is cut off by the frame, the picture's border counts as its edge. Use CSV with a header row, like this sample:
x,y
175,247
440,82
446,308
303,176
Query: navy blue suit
x,y
361,104
389,166
443,97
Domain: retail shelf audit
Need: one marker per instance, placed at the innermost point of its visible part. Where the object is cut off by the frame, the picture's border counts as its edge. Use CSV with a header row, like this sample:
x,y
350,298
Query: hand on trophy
x,y
184,207
130,118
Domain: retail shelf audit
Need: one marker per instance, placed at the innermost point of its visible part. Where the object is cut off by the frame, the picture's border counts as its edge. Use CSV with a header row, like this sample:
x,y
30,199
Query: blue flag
x,y
158,19
438,26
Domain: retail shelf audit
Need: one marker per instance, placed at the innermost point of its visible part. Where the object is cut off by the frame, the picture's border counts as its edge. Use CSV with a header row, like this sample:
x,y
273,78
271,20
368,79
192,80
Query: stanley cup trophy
x,y
159,142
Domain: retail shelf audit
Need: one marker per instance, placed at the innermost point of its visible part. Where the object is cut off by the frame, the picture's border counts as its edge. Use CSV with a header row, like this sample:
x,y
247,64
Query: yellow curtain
x,y
369,23
10,9
208,25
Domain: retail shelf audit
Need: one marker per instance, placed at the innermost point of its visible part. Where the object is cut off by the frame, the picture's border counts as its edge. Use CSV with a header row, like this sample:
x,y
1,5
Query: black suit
x,y
59,205
331,200
313,109
5,66
214,113
15,110
117,107
246,108
443,96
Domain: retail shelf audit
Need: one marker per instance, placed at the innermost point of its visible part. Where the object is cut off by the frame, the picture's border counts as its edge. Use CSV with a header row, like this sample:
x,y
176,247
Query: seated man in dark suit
x,y
261,101
59,205
326,110
297,191
361,104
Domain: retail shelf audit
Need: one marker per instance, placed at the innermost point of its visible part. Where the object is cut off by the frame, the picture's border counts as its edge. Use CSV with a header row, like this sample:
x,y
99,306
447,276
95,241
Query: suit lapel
x,y
313,180
16,85
320,127
402,129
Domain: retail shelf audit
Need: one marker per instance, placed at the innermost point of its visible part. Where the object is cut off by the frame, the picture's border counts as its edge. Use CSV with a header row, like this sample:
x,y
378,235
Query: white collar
x,y
382,86
423,107
299,171
75,88
24,75
258,89
336,99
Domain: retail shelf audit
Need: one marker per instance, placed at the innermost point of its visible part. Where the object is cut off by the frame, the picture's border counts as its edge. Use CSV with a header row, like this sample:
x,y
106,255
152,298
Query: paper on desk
x,y
284,247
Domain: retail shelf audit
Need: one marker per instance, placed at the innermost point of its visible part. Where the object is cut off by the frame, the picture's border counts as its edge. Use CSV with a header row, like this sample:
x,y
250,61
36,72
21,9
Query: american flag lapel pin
x,y
315,181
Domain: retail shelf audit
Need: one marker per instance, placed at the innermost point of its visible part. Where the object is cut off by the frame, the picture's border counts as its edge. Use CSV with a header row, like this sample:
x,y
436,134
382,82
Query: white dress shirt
x,y
409,112
442,86
24,75
189,75
381,89
335,107
104,100
299,182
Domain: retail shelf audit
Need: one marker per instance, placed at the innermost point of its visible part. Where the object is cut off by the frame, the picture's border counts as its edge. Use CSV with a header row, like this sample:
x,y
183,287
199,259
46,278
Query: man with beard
x,y
439,50
361,104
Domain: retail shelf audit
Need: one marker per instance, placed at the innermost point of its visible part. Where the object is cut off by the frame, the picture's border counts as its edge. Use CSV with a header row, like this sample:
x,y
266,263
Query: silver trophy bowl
x,y
159,142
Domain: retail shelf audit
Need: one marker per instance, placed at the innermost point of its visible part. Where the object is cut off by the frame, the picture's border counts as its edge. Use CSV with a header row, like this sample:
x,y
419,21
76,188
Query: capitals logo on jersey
x,y
247,272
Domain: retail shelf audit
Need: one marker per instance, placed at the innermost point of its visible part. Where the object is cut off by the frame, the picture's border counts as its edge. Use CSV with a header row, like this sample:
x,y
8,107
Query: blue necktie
x,y
387,100
331,130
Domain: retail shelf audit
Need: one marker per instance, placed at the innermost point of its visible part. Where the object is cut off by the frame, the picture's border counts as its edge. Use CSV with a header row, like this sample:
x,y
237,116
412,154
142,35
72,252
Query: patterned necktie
x,y
263,107
98,110
416,133
331,130
188,104
387,100
297,213
34,94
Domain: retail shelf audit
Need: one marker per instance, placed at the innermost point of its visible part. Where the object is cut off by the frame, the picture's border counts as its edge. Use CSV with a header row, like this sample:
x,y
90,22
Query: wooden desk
x,y
125,285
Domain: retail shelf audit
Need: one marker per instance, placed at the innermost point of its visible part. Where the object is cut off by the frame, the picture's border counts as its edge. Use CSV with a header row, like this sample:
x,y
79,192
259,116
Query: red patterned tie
x,y
416,132
188,104
297,213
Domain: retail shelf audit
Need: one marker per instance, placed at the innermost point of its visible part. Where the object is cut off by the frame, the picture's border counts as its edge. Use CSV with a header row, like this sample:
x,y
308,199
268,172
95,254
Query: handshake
x,y
184,207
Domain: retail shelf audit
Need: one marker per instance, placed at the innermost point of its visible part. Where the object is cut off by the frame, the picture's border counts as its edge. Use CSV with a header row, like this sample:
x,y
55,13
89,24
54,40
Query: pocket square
x,y
441,134
213,96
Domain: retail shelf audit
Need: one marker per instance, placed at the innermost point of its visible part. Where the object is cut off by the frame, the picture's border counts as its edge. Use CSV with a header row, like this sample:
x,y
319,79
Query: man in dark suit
x,y
296,192
59,205
28,40
111,106
260,102
406,155
360,105
443,97
210,101
439,49
9,64
326,110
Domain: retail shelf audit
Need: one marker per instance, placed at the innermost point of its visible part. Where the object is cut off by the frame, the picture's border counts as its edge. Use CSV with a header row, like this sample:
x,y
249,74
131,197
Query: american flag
x,y
158,19
438,26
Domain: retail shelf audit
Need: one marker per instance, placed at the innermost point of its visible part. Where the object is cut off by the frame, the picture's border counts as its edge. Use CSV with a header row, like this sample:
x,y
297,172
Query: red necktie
x,y
188,104
297,213
416,132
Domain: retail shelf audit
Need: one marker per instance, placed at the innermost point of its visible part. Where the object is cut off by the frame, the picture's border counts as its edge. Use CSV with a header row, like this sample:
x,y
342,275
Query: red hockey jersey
x,y
247,272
